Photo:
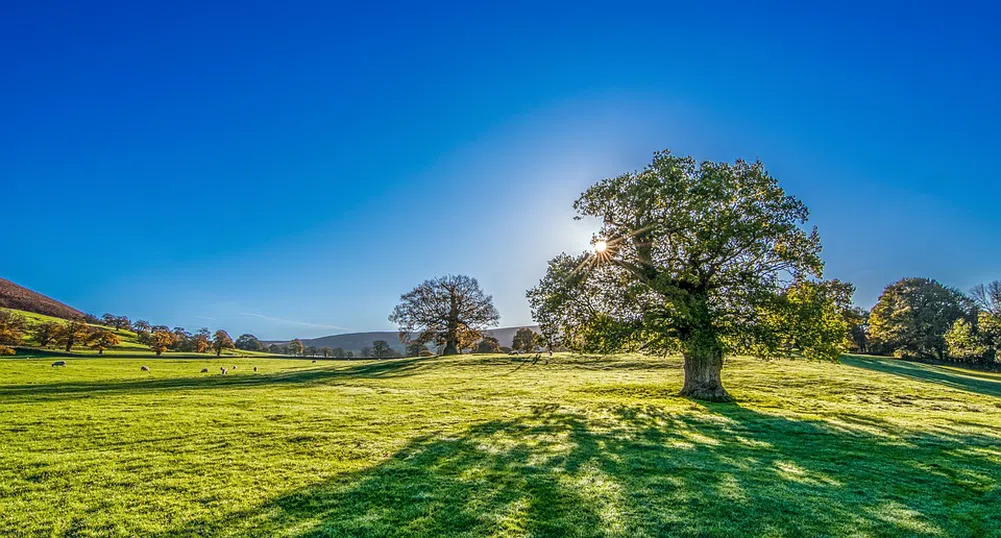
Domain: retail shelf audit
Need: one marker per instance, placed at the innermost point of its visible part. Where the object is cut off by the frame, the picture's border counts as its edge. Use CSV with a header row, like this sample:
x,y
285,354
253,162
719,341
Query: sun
x,y
600,246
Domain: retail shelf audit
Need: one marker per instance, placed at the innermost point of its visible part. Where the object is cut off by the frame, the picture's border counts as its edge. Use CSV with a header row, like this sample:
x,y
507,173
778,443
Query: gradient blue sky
x,y
288,169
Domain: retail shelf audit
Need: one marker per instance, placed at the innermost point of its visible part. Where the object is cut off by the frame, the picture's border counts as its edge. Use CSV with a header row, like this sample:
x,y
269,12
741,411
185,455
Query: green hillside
x,y
128,347
490,446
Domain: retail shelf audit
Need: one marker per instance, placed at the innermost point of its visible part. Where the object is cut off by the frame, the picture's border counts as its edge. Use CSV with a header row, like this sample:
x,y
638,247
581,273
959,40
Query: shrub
x,y
426,353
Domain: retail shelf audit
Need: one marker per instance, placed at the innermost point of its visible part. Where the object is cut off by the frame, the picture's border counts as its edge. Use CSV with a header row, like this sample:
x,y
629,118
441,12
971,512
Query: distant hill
x,y
356,341
21,298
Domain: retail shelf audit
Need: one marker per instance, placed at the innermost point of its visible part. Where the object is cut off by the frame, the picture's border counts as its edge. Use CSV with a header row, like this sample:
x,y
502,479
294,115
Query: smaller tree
x,y
249,342
295,347
489,344
525,339
339,353
12,326
912,316
965,344
160,341
450,311
182,340
101,339
414,349
310,351
221,341
858,329
327,352
122,323
46,333
274,348
382,350
71,333
200,342
141,326
118,322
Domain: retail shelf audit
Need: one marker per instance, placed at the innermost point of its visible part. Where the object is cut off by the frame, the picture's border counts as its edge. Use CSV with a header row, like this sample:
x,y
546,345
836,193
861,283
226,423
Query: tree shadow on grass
x,y
640,471
926,372
212,380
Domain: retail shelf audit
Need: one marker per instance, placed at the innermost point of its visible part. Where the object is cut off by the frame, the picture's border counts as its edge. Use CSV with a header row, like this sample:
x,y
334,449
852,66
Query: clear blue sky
x,y
288,169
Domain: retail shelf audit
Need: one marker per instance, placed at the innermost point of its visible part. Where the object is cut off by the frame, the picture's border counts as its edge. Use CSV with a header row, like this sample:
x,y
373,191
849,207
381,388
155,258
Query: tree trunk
x,y
702,374
451,348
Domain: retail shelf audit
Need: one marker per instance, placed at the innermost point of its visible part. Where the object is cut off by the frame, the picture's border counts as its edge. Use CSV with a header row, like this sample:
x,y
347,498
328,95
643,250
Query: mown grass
x,y
490,446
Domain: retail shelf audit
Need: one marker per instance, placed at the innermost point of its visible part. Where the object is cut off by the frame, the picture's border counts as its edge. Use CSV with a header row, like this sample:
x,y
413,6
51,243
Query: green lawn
x,y
489,446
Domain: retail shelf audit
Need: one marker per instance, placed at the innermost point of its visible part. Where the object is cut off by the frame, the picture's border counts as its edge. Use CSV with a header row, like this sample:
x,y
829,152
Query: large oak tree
x,y
450,311
704,259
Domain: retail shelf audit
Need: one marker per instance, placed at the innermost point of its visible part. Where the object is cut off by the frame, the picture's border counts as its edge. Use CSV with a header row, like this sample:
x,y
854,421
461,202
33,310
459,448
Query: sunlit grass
x,y
490,446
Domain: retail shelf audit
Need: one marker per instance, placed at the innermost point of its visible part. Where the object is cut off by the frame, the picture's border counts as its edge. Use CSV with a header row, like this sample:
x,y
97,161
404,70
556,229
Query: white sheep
x,y
223,370
144,368
255,368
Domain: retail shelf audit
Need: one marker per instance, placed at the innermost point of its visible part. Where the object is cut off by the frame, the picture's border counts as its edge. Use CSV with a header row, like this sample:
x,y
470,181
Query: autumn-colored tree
x,y
118,322
71,333
295,347
182,340
221,341
101,339
45,333
200,342
12,326
689,258
160,341
449,311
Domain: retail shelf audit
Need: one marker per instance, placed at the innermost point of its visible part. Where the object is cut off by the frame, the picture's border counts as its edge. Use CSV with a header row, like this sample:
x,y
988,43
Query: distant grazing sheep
x,y
314,362
223,370
255,368
233,368
59,363
144,368
205,370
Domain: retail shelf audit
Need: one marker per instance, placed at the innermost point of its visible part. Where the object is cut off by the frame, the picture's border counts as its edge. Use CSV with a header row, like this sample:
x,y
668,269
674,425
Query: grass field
x,y
487,446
